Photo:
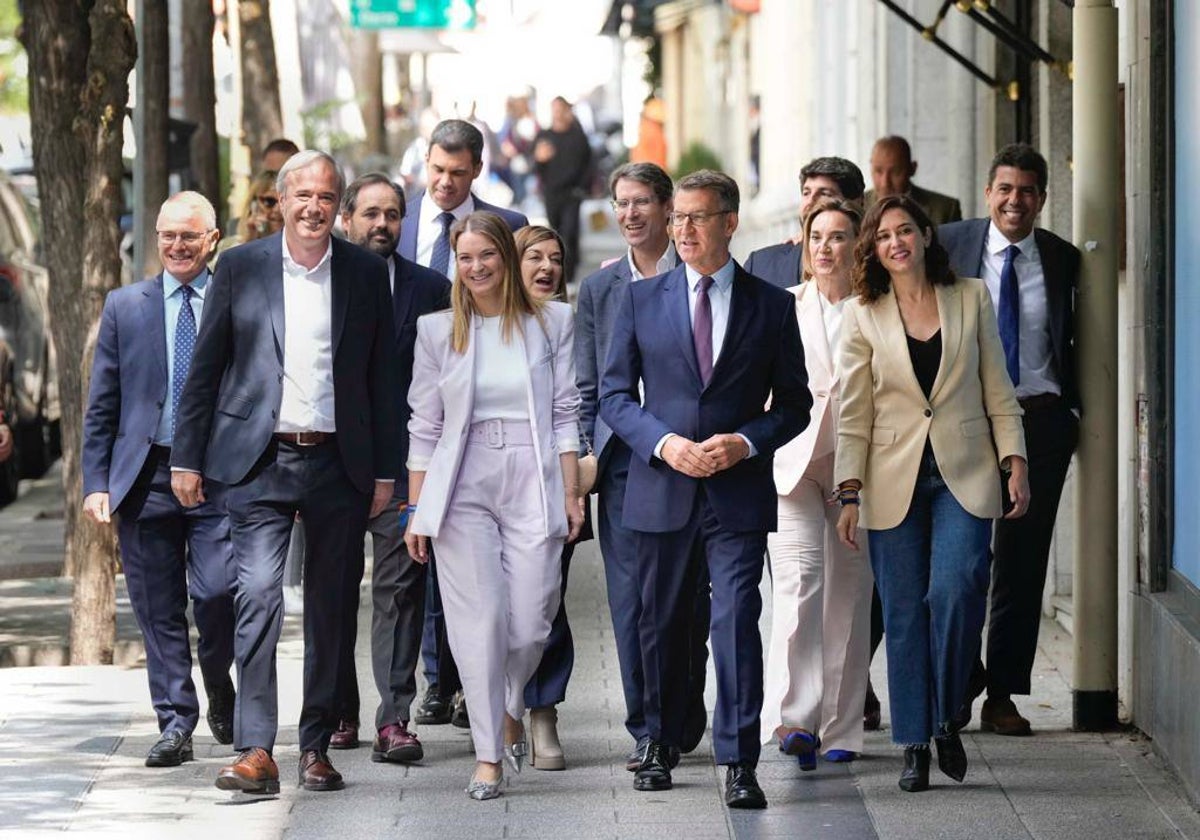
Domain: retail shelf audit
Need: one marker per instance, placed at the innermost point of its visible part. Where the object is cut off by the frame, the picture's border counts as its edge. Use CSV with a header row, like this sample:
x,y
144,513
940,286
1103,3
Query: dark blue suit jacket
x,y
966,241
125,401
407,247
230,405
761,358
779,265
600,297
418,291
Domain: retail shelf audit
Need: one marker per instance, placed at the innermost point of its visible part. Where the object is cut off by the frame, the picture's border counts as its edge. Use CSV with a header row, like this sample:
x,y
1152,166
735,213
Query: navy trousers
x,y
170,552
290,479
670,565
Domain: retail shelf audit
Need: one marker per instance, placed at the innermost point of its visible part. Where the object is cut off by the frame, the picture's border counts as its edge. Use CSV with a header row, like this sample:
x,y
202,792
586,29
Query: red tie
x,y
702,327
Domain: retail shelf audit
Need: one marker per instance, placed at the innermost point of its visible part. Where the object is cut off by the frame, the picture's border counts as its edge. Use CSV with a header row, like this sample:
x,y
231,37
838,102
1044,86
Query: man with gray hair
x,y
292,403
143,354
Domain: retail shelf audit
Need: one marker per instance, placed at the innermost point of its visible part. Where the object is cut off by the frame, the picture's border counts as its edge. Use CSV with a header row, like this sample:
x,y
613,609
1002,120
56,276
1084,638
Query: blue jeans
x,y
932,573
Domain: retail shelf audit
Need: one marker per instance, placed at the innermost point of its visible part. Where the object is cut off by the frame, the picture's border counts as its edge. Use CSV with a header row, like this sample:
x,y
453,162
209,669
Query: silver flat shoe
x,y
514,754
480,790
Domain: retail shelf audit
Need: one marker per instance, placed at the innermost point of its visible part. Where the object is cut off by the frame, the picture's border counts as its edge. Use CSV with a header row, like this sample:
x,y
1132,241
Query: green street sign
x,y
420,14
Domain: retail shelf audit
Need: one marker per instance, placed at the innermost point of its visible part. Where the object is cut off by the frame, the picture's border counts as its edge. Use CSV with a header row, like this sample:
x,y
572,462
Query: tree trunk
x,y
368,72
262,117
153,102
80,54
200,97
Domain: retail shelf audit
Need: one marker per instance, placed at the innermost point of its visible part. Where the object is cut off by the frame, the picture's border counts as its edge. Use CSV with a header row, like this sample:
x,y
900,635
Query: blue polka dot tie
x,y
185,344
439,261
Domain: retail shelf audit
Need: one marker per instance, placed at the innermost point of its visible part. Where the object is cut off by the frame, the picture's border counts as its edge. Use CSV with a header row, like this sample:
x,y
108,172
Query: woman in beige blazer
x,y
816,676
929,419
493,479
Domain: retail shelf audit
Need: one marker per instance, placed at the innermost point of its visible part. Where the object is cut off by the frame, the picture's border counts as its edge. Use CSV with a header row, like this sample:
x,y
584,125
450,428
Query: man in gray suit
x,y
641,197
892,169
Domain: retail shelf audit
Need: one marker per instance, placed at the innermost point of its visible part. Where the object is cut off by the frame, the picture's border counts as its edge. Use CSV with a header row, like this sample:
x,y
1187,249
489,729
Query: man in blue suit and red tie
x,y
143,354
709,345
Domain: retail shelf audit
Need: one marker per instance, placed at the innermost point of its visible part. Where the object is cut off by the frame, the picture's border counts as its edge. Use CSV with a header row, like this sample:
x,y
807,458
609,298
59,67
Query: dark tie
x,y
185,343
1010,314
702,329
440,261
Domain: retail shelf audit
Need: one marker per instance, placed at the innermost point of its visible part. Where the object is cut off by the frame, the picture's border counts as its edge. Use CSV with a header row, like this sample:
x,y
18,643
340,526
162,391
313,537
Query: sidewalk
x,y
72,743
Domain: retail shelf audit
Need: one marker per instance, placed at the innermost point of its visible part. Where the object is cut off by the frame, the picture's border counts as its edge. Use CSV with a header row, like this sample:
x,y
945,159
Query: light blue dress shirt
x,y
172,300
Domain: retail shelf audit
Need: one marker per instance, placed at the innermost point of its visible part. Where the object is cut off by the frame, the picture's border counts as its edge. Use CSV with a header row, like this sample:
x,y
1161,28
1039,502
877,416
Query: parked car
x,y
28,384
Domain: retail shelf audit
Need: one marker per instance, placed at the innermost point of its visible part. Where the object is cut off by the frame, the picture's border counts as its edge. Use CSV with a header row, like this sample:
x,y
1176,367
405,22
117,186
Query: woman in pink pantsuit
x,y
493,479
816,677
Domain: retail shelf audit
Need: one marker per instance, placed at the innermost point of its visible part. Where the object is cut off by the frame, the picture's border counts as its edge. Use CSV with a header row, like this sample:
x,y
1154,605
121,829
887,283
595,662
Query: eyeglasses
x,y
697,219
187,237
623,204
267,201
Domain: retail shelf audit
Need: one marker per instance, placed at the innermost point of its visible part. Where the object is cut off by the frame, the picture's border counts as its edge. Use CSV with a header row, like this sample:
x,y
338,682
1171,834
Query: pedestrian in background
x,y
493,479
929,419
563,158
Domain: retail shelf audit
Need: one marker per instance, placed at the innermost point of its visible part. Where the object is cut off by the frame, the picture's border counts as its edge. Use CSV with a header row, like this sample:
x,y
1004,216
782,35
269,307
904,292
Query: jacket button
x,y
272,415
929,412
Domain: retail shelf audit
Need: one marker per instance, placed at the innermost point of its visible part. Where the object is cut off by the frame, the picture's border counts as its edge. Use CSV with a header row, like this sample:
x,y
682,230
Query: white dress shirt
x,y
831,315
429,229
664,264
1035,357
307,403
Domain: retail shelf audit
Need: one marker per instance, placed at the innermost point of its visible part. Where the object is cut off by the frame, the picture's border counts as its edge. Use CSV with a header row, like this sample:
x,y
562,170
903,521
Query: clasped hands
x,y
706,458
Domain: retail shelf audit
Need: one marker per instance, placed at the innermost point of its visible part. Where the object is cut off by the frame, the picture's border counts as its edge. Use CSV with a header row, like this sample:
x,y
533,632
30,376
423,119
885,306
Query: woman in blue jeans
x,y
929,423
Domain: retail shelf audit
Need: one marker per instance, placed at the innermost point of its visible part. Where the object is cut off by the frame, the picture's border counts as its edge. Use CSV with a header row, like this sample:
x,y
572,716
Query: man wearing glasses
x,y
143,354
641,197
707,344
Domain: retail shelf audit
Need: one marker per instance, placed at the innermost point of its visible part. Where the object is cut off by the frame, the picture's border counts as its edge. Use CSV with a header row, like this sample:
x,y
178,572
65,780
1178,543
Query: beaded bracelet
x,y
849,496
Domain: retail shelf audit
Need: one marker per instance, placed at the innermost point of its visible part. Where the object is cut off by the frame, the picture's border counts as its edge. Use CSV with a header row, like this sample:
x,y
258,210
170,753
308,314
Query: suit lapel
x,y
891,327
812,327
675,301
949,300
153,316
339,281
1053,276
270,269
739,305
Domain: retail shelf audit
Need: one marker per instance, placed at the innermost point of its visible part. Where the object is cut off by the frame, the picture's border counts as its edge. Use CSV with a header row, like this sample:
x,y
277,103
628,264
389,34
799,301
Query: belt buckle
x,y
495,433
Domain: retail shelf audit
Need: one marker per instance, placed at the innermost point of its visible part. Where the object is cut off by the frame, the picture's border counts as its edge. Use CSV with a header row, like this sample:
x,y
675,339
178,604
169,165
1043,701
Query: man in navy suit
x,y
823,177
1033,276
641,198
454,161
708,344
143,352
292,402
372,213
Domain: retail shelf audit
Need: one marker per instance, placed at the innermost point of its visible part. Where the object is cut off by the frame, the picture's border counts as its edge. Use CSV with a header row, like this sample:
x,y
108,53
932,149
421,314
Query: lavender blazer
x,y
442,397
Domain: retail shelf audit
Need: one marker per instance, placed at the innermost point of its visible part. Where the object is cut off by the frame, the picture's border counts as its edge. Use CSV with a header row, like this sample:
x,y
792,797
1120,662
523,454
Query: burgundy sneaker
x,y
345,737
396,744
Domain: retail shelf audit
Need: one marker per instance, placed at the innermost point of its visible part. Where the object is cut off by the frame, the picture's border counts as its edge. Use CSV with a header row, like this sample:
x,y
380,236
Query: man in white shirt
x,y
292,403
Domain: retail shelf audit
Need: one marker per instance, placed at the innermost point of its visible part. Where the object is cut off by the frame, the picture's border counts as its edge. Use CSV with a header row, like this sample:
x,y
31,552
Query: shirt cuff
x,y
568,443
385,481
658,447
749,445
185,469
417,464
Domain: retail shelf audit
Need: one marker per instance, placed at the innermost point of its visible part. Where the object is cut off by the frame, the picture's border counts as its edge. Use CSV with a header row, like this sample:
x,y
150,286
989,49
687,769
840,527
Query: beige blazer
x,y
442,397
820,435
972,417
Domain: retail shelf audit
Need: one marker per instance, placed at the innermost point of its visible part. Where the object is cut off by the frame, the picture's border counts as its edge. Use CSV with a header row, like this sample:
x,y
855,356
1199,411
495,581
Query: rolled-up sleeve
x,y
566,392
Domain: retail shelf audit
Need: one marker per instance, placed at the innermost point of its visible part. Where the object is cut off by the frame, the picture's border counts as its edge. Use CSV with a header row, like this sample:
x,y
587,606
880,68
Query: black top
x,y
926,357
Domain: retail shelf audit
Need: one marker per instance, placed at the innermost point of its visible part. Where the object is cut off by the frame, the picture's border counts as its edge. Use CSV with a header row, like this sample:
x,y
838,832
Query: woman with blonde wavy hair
x,y
493,479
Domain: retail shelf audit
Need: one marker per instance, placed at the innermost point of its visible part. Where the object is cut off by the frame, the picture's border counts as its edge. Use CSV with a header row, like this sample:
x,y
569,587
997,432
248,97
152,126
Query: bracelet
x,y
849,496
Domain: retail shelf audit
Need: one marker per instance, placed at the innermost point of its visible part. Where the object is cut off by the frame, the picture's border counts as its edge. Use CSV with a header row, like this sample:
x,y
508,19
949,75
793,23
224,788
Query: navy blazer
x,y
600,297
125,401
779,265
407,246
966,241
417,291
761,360
230,405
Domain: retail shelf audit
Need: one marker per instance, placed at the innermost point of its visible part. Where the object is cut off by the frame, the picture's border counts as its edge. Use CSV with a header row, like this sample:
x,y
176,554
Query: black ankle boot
x,y
952,758
915,776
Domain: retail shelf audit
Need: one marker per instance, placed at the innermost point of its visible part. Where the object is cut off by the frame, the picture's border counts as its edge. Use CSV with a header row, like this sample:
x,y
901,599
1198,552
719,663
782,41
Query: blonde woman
x,y
493,479
816,677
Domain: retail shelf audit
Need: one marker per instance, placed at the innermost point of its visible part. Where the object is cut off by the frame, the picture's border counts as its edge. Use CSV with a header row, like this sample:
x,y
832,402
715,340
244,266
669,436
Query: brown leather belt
x,y
304,438
1039,402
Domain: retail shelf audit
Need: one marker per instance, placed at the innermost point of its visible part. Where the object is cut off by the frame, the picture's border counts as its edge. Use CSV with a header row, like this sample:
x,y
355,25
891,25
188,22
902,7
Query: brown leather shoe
x,y
396,744
316,773
1002,717
345,737
253,772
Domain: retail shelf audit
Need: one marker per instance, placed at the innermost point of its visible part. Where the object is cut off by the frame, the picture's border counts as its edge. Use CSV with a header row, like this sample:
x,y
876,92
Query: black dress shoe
x,y
654,773
915,776
172,749
220,712
434,709
741,788
694,725
952,758
638,754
